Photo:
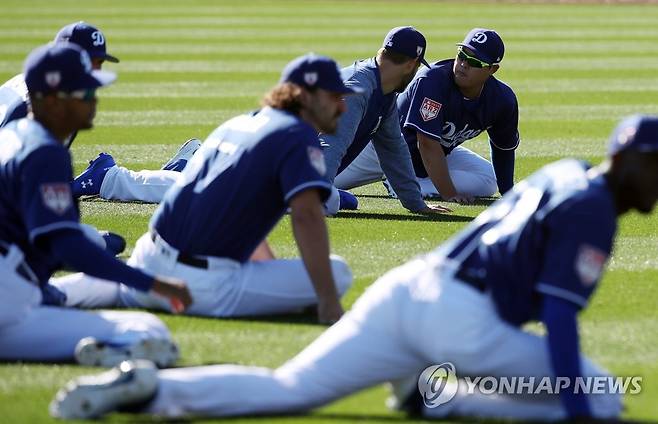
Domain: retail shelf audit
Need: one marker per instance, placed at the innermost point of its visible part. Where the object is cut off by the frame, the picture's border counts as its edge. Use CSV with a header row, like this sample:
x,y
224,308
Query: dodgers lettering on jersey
x,y
378,107
550,235
433,105
13,100
35,191
238,184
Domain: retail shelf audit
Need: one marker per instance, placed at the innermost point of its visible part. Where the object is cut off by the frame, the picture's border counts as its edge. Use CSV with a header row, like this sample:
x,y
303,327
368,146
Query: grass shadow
x,y
447,217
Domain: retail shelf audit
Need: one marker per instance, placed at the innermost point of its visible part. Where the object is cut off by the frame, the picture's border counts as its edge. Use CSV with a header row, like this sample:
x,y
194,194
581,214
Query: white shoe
x,y
92,396
183,155
93,353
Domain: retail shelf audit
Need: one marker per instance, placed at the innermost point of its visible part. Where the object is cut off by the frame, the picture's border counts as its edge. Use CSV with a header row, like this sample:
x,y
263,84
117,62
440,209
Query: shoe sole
x,y
186,151
90,352
93,396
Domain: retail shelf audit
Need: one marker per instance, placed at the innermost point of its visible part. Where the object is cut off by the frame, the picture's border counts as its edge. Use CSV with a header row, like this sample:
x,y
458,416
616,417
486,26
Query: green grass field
x,y
187,66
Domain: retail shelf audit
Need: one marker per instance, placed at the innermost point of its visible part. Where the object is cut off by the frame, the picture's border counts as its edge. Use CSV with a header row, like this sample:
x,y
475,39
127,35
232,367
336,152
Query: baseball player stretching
x,y
102,176
15,104
40,230
536,254
445,105
372,115
233,192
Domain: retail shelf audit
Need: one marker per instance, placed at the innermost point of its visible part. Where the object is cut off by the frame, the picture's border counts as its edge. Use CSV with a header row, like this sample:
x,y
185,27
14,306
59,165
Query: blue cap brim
x,y
103,78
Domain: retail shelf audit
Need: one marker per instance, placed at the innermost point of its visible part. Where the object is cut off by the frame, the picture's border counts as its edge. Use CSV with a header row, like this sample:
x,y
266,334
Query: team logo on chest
x,y
57,197
429,109
316,157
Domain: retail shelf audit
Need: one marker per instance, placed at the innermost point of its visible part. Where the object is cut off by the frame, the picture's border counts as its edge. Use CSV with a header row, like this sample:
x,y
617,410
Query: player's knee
x,y
342,274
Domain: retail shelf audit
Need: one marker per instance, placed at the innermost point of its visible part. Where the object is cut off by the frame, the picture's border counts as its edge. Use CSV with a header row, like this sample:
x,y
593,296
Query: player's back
x,y
236,187
530,241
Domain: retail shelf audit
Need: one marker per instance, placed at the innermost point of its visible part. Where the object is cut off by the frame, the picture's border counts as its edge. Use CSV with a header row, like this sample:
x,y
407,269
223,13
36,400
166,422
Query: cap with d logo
x,y
486,44
88,37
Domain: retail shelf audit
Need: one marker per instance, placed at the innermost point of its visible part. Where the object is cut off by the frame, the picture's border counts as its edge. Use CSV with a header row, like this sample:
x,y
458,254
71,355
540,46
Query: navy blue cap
x,y
313,71
88,37
637,132
64,67
486,44
408,41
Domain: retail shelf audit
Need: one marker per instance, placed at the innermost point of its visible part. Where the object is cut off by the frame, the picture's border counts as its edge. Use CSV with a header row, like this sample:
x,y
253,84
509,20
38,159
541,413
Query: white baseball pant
x,y
411,318
146,186
226,288
31,332
471,174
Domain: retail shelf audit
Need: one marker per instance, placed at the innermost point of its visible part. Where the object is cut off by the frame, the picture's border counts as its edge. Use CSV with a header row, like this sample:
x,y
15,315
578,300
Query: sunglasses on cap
x,y
84,95
472,61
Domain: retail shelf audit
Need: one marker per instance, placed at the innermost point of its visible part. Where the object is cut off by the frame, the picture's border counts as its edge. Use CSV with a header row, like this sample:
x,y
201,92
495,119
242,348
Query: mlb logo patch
x,y
57,197
429,109
589,264
316,157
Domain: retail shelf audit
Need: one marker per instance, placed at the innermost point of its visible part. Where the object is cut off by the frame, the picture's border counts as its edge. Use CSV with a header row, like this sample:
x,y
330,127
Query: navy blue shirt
x,y
433,105
550,235
238,184
35,191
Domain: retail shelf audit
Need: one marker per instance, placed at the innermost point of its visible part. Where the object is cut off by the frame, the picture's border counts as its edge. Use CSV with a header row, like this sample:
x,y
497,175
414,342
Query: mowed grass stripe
x,y
202,116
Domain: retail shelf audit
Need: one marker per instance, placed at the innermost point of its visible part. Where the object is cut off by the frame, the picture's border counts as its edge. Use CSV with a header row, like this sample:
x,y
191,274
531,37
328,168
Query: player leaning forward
x,y
230,196
40,229
536,254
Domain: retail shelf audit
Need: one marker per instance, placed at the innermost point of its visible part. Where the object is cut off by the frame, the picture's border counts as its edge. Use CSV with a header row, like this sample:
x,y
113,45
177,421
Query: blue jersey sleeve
x,y
579,243
425,114
303,167
46,198
504,134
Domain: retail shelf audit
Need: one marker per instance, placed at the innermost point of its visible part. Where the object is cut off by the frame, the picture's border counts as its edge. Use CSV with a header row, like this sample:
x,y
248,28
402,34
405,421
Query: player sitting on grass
x,y
40,230
445,105
234,191
536,254
15,104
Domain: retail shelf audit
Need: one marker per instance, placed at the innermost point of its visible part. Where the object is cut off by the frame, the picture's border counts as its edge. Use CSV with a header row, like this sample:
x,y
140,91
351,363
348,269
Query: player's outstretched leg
x,y
183,155
130,383
88,183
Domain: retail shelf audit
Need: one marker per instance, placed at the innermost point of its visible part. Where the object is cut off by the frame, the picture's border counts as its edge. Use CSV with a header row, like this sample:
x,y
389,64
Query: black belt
x,y
22,268
184,258
467,276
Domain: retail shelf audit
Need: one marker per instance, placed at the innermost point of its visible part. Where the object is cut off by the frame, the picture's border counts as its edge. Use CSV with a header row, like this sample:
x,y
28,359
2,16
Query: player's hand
x,y
329,311
433,209
175,290
462,199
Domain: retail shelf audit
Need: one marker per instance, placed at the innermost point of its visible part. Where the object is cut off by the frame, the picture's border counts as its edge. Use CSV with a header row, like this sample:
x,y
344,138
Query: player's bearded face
x,y
325,108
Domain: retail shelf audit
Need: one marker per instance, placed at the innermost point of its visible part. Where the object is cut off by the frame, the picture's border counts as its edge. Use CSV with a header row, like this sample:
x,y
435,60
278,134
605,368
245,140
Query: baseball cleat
x,y
93,353
114,243
348,200
183,155
88,183
92,396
